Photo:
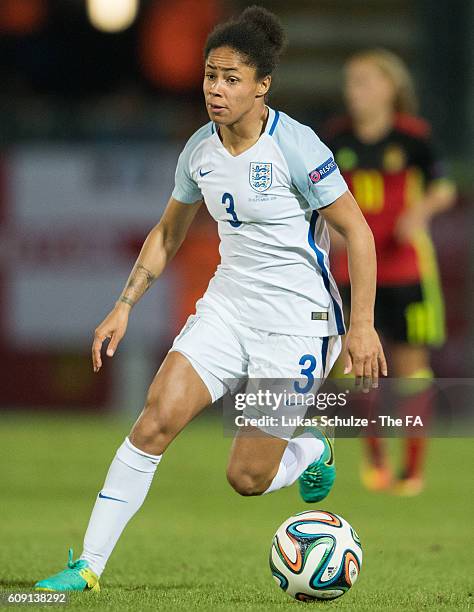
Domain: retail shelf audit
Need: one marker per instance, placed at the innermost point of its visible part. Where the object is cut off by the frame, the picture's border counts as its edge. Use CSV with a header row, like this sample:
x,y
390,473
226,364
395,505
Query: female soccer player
x,y
387,158
272,308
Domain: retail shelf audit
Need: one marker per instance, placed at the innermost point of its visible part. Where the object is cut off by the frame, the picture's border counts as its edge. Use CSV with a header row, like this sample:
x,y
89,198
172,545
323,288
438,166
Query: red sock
x,y
414,457
415,446
375,451
367,407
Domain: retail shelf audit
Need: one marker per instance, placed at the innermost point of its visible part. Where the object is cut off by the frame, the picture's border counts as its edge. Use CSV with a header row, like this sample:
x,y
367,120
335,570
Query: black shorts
x,y
405,314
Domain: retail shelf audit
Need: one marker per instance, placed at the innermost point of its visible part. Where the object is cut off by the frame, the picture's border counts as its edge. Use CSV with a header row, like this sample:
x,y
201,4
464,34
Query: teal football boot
x,y
317,480
76,577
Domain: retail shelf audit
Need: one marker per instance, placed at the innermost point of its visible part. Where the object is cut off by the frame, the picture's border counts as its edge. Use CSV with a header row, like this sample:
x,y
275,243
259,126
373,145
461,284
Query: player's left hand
x,y
410,223
364,356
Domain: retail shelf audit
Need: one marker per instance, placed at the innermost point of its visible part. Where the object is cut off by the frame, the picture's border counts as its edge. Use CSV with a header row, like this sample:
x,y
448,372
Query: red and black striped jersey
x,y
385,178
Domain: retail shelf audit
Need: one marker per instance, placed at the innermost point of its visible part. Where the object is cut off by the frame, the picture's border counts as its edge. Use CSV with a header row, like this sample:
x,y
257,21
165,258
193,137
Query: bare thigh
x,y
254,460
176,395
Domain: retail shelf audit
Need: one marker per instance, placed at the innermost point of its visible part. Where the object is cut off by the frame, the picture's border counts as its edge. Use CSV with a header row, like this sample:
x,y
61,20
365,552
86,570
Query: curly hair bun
x,y
266,23
256,34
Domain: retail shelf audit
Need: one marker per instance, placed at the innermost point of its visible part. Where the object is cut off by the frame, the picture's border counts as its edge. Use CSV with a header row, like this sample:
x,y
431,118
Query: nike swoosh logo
x,y
201,173
114,498
330,461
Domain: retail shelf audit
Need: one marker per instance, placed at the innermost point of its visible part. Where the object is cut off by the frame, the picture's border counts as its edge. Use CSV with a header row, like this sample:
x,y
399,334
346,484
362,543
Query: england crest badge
x,y
260,176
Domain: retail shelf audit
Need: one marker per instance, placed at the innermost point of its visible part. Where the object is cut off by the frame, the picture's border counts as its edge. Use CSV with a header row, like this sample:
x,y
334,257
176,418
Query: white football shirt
x,y
274,271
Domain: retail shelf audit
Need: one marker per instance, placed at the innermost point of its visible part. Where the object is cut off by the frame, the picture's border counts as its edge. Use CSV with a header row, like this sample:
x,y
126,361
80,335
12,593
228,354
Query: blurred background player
x,y
386,155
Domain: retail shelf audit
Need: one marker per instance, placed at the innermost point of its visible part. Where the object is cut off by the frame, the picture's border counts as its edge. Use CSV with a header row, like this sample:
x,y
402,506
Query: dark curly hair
x,y
257,35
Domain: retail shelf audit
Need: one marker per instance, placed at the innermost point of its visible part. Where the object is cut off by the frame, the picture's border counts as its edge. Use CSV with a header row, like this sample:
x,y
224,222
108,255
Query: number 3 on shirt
x,y
228,199
308,372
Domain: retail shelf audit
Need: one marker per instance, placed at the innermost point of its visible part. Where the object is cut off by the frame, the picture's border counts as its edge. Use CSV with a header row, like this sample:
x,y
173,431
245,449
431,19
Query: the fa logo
x,y
260,176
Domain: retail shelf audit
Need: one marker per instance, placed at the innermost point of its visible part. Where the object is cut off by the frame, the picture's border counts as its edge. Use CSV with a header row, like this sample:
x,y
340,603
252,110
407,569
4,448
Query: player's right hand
x,y
114,327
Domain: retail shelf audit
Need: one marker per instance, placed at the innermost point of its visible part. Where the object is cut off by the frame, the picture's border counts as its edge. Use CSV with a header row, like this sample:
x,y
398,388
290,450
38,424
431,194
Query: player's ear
x,y
263,86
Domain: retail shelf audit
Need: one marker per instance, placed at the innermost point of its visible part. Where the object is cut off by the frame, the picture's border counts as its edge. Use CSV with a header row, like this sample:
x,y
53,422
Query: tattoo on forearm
x,y
139,282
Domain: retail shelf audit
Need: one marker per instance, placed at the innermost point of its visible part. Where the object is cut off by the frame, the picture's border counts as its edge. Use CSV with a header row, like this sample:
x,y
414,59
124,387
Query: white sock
x,y
299,453
126,486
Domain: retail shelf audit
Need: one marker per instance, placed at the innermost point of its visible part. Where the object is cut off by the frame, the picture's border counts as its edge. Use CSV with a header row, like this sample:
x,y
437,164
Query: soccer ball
x,y
315,555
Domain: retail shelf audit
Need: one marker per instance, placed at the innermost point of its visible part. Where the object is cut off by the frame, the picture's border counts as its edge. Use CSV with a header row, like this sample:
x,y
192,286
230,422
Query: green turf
x,y
197,545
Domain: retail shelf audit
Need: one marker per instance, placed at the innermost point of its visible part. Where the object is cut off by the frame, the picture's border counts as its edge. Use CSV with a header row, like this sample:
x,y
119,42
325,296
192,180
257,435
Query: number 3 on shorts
x,y
307,371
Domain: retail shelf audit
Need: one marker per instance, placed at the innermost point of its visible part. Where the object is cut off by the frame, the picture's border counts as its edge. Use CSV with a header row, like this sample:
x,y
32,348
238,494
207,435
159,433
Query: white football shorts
x,y
223,352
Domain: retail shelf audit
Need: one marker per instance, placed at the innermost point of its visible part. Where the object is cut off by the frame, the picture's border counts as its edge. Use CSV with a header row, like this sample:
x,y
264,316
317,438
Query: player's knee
x,y
161,407
150,436
155,429
151,429
246,482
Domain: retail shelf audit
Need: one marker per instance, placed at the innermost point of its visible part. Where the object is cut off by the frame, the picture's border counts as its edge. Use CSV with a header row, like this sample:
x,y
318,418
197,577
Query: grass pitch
x,y
197,545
